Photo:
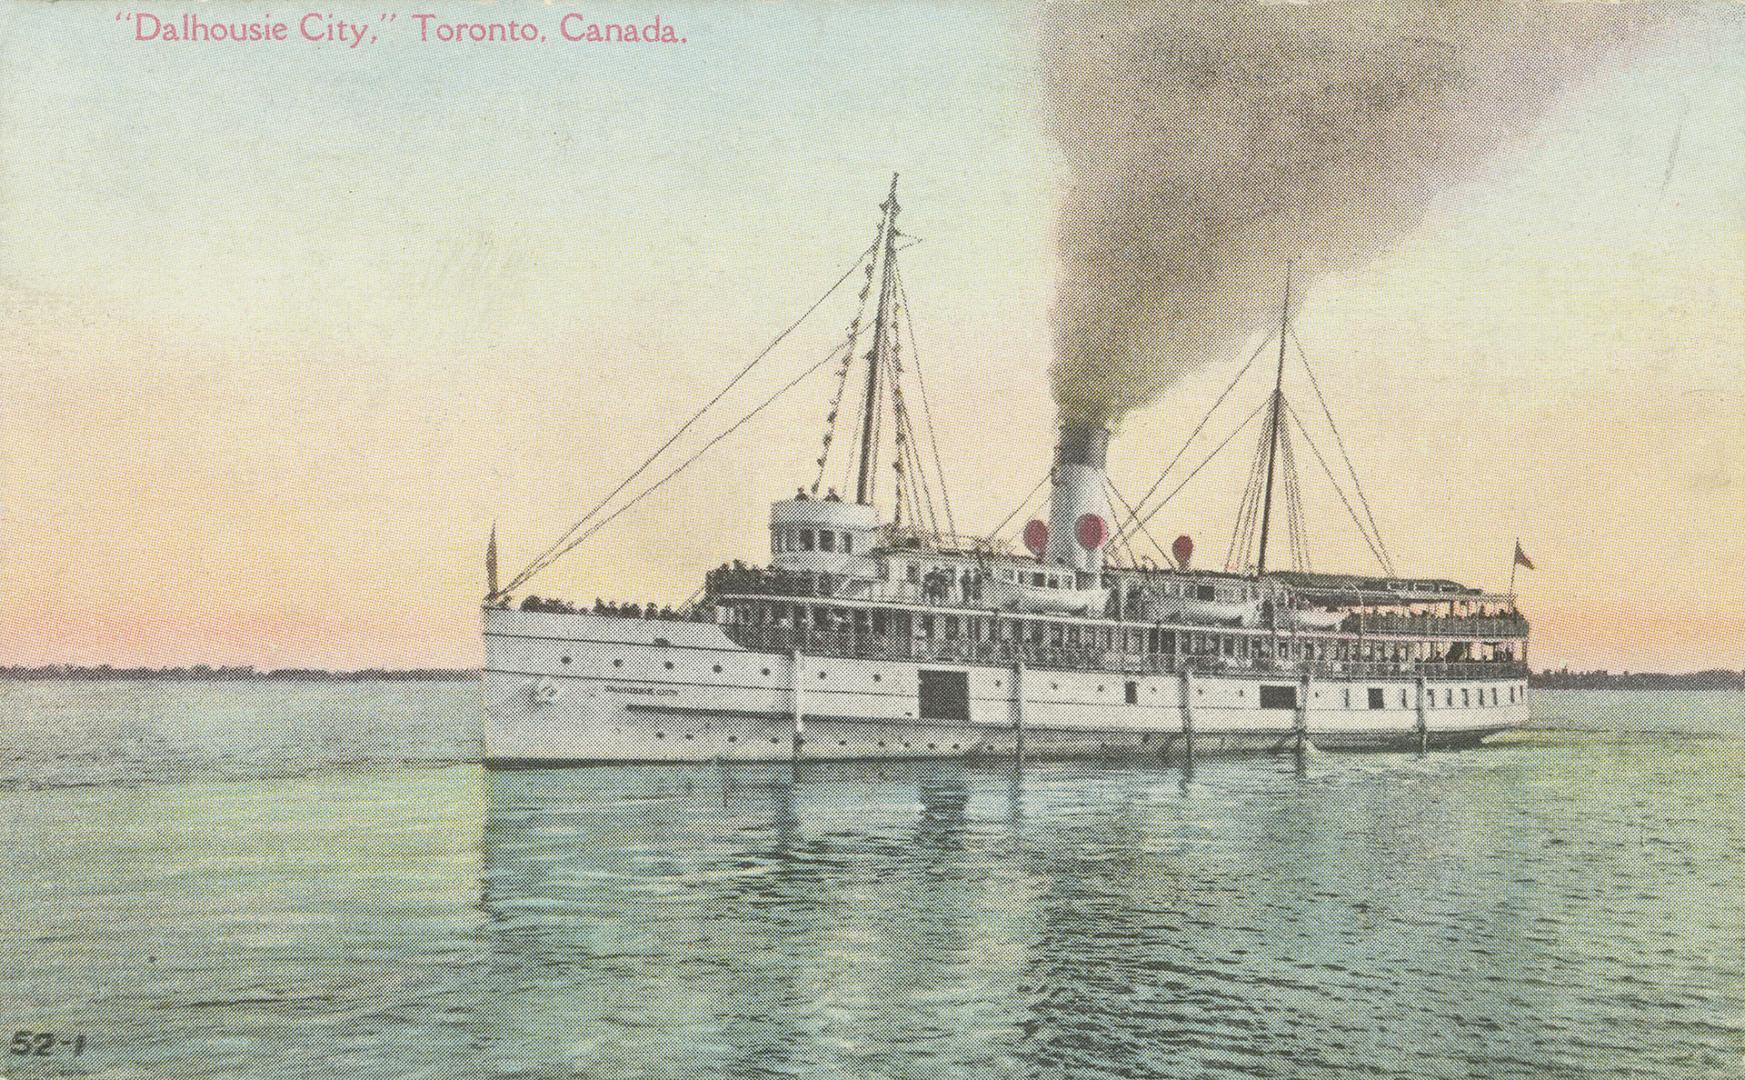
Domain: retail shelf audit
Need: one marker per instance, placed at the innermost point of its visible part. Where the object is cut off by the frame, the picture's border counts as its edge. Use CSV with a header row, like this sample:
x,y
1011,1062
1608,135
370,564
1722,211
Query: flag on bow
x,y
1521,557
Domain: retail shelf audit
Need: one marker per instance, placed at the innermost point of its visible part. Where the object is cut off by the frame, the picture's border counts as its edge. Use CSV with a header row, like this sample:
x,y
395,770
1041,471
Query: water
x,y
315,880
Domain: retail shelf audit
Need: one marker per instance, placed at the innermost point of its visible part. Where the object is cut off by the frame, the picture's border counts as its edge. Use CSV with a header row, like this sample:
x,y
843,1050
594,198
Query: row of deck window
x,y
878,622
796,539
1487,695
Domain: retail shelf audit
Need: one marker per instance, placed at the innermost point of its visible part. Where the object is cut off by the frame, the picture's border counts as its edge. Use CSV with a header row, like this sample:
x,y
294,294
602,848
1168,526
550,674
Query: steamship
x,y
875,630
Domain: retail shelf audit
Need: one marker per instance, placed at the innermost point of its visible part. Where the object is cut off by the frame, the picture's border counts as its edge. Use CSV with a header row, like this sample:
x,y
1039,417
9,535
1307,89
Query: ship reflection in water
x,y
944,919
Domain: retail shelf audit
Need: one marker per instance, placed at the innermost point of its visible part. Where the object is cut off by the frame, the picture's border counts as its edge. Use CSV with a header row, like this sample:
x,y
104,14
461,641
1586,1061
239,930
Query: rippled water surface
x,y
266,880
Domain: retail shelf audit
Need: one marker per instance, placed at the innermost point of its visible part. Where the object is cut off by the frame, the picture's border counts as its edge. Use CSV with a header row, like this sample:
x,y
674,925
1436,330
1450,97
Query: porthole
x,y
1054,686
732,738
931,746
766,671
1100,689
905,746
566,659
996,683
717,669
669,665
773,740
878,678
660,734
617,663
841,742
956,746
689,736
820,674
881,744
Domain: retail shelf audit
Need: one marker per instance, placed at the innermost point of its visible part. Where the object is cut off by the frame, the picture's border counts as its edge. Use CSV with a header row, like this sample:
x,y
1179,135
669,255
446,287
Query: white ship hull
x,y
583,688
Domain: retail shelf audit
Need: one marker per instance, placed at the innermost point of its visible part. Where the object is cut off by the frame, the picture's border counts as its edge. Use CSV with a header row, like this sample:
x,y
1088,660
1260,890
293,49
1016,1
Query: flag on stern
x,y
491,559
1521,557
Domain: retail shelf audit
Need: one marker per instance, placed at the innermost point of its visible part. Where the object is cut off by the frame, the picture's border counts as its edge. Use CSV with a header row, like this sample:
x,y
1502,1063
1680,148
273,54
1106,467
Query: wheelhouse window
x,y
805,539
826,540
1375,698
848,543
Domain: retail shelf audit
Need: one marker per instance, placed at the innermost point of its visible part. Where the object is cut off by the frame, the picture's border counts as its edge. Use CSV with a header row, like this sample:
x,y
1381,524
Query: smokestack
x,y
1079,520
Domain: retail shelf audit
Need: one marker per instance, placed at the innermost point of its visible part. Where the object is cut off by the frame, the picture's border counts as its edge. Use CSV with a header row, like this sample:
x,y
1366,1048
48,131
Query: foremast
x,y
866,481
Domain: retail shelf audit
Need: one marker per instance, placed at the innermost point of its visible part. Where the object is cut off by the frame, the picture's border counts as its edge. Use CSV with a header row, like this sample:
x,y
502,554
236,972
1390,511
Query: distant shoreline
x,y
203,673
1562,679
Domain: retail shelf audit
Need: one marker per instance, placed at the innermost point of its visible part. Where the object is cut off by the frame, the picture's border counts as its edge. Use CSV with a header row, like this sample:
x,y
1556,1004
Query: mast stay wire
x,y
1115,491
1204,420
704,449
1249,419
1387,561
1016,510
1248,509
854,330
557,549
926,403
1337,490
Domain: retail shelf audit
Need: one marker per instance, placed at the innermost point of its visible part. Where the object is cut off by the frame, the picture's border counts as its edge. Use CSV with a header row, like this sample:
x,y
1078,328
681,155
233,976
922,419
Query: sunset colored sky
x,y
285,327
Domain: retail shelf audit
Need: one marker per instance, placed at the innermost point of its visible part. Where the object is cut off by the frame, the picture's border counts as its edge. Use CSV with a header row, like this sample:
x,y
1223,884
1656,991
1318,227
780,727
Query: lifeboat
x,y
1017,596
1243,613
1312,618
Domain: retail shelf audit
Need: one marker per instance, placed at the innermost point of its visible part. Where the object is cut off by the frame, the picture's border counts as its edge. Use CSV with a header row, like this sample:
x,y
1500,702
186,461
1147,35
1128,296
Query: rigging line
x,y
545,558
1337,490
1298,523
1133,556
1140,505
921,483
1016,510
1125,506
835,418
921,491
908,467
926,403
1302,515
1289,523
1257,496
1114,542
1294,506
1149,514
688,462
1302,354
1248,510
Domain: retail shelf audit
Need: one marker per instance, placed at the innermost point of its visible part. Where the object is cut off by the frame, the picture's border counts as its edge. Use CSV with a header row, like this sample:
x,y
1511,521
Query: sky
x,y
285,328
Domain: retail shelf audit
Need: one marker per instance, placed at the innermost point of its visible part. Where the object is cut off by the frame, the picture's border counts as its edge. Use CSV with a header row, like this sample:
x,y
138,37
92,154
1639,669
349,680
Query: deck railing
x,y
782,639
756,581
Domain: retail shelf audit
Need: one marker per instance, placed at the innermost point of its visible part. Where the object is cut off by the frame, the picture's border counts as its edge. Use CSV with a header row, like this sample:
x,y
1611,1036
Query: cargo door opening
x,y
945,696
